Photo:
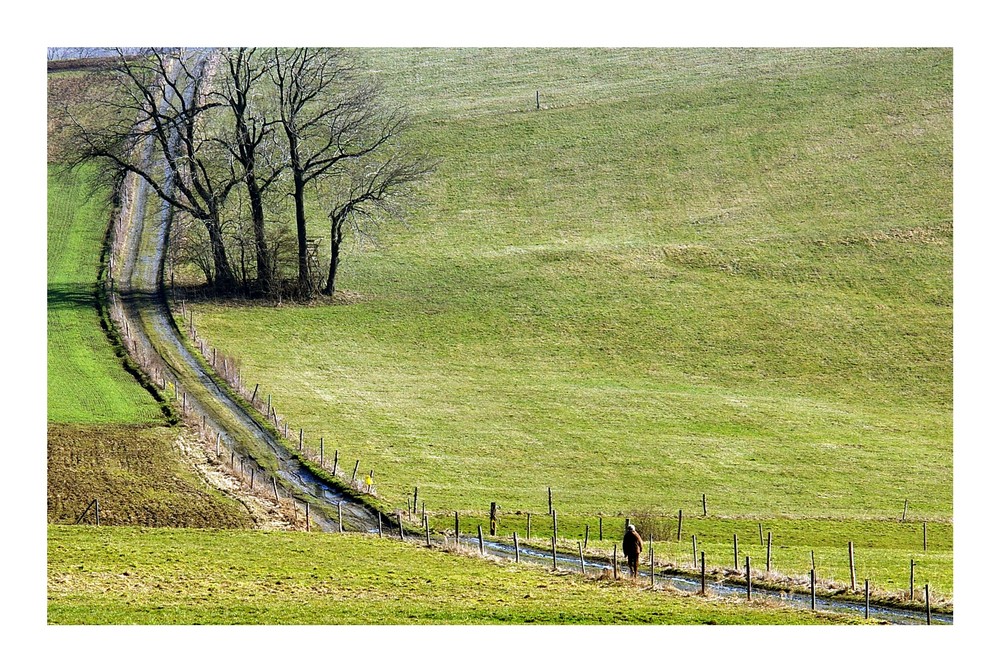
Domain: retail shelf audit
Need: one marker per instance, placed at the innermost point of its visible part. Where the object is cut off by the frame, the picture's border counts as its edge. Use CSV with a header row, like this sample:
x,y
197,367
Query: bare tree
x,y
378,189
240,88
328,113
155,109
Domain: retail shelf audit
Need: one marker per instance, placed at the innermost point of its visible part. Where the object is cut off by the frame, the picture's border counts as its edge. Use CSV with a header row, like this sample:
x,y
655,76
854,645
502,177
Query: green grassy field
x,y
129,575
692,272
86,381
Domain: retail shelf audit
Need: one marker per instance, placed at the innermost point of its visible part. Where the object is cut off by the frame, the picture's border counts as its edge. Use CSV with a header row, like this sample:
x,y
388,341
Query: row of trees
x,y
242,136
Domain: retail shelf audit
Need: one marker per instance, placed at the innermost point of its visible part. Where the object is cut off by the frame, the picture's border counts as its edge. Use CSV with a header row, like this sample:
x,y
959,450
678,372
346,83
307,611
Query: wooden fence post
x,y
704,505
703,572
379,524
760,531
555,528
680,519
336,456
906,503
867,599
399,520
748,577
274,486
427,530
850,550
340,516
736,554
553,553
307,516
582,566
812,589
517,549
586,535
482,551
97,512
414,495
493,518
769,551
321,452
300,439
456,529
652,573
253,397
614,561
355,475
927,601
527,534
925,535
694,549
600,528
912,563
550,499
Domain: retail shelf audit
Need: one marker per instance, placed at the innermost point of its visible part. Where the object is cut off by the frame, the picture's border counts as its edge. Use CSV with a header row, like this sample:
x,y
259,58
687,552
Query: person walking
x,y
632,546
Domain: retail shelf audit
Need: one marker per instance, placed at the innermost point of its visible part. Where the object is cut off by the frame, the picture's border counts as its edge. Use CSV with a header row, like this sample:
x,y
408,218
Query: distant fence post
x,y
652,573
379,524
340,516
704,505
703,572
760,531
600,528
906,503
321,452
614,561
307,516
456,529
527,534
336,456
427,530
555,528
582,566
493,518
482,551
850,550
912,563
769,551
736,553
680,519
694,549
399,519
586,535
517,549
812,588
553,553
927,601
550,499
355,475
925,535
748,577
867,599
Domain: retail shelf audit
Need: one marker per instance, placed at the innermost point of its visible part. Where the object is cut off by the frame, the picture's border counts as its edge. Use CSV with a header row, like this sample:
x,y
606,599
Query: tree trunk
x,y
225,279
336,238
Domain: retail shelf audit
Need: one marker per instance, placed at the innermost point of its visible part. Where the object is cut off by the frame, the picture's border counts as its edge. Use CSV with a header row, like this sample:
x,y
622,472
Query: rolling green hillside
x,y
720,272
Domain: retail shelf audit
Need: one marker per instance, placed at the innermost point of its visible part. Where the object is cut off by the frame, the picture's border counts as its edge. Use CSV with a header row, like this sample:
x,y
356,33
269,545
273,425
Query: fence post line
x,y
517,549
300,439
218,440
850,550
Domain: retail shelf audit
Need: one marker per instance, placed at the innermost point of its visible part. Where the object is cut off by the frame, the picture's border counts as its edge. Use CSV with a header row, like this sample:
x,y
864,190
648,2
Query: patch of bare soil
x,y
264,511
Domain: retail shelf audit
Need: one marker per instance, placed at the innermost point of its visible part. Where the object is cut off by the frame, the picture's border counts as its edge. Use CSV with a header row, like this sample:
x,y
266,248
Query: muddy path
x,y
139,303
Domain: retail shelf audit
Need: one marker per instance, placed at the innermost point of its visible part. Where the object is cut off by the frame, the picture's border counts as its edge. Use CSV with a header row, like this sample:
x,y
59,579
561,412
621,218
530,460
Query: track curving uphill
x,y
140,304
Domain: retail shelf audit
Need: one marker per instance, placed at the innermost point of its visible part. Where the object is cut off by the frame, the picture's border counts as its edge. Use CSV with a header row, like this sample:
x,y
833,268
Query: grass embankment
x,y
718,272
128,575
